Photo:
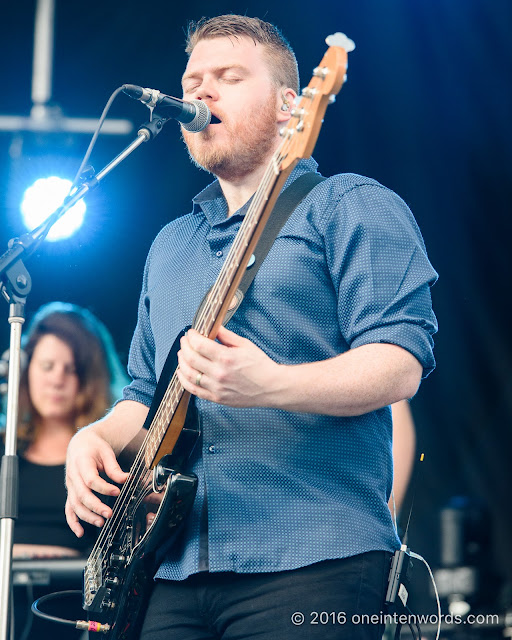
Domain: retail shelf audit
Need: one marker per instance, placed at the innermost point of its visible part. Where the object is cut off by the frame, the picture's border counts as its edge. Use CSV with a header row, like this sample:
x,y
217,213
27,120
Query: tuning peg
x,y
321,72
339,39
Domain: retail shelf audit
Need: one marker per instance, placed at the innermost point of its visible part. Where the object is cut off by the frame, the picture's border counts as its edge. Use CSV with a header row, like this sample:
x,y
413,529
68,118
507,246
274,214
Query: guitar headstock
x,y
301,132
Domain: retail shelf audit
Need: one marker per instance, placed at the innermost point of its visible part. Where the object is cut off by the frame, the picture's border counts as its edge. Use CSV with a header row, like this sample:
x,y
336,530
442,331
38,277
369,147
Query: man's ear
x,y
285,103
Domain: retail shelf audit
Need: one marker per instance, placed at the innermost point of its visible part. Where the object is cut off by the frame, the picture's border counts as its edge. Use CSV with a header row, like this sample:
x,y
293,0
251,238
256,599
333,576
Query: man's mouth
x,y
215,120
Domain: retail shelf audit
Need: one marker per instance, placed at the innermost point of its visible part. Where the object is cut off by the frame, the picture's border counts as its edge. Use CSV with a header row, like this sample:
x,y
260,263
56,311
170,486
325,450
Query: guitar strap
x,y
287,202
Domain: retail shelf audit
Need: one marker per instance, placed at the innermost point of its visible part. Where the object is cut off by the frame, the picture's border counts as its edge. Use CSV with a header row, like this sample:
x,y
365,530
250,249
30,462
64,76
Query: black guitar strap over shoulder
x,y
287,202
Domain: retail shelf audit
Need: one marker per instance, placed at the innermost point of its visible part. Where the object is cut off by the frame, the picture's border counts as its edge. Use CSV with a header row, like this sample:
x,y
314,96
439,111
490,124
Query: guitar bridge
x,y
93,580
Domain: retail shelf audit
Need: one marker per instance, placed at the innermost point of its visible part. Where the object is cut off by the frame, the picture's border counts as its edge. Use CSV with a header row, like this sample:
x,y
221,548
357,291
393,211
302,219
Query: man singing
x,y
294,463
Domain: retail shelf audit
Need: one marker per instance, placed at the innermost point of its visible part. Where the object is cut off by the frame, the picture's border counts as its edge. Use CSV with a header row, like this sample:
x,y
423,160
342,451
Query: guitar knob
x,y
107,603
117,560
112,582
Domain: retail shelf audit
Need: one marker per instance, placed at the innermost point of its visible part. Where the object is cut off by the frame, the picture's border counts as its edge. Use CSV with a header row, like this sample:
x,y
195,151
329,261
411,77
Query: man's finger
x,y
192,365
230,338
88,506
112,468
72,520
204,346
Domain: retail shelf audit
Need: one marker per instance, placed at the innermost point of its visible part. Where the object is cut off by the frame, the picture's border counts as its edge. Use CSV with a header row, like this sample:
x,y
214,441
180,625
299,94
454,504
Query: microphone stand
x,y
15,285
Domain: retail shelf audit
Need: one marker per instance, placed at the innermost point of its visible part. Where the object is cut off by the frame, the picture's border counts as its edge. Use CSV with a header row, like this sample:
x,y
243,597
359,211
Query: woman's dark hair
x,y
97,365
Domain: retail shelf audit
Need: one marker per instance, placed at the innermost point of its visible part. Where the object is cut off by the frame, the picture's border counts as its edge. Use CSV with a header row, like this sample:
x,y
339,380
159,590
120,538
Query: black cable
x,y
411,628
82,625
415,618
94,137
51,596
414,485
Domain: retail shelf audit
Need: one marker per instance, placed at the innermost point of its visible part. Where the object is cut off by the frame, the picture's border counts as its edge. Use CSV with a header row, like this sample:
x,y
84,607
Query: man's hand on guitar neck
x,y
237,373
93,450
233,371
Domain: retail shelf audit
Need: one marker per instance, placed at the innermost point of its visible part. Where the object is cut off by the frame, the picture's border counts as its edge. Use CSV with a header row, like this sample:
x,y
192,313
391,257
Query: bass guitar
x,y
118,574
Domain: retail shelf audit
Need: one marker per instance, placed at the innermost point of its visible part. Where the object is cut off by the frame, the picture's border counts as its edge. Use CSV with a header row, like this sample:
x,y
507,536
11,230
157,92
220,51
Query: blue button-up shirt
x,y
284,489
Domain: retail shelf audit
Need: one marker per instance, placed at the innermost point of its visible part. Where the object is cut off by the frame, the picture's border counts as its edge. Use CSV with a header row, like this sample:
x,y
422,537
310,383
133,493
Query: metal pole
x,y
16,320
42,64
42,118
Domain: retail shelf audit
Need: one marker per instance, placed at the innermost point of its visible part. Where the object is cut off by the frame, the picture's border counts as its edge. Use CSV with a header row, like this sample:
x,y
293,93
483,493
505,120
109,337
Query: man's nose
x,y
207,91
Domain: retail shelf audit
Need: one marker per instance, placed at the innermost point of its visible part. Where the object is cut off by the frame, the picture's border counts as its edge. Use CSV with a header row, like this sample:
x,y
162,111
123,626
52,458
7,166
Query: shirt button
x,y
219,254
211,449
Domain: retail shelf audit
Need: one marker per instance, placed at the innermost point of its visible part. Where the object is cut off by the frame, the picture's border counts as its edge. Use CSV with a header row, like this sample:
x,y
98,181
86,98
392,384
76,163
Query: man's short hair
x,y
280,55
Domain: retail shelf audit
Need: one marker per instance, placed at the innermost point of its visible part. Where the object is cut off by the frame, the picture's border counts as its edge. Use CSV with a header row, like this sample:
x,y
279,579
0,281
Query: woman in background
x,y
72,377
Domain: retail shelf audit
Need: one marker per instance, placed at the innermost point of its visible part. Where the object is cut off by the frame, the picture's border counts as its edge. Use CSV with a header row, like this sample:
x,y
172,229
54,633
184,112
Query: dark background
x,y
426,111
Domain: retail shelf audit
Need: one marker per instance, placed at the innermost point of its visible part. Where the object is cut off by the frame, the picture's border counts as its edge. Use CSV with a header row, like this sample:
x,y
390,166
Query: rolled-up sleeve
x,y
381,271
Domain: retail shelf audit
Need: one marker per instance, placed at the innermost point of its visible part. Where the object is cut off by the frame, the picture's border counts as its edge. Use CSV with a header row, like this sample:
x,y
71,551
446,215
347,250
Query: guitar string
x,y
139,469
136,469
206,312
135,475
271,171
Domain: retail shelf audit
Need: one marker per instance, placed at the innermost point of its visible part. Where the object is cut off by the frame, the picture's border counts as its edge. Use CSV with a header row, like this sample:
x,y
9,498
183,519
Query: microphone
x,y
194,115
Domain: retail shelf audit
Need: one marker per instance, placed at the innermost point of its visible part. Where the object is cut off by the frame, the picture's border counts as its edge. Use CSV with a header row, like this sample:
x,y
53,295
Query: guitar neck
x,y
217,303
221,294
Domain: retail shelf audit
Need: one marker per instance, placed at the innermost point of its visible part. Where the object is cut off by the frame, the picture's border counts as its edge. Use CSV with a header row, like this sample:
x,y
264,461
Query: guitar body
x,y
118,576
128,574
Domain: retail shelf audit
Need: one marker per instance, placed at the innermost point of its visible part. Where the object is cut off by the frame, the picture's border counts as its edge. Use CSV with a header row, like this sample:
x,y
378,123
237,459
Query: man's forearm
x,y
353,383
121,425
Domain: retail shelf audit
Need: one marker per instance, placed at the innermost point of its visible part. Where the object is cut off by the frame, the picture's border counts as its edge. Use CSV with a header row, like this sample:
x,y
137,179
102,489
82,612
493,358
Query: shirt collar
x,y
212,203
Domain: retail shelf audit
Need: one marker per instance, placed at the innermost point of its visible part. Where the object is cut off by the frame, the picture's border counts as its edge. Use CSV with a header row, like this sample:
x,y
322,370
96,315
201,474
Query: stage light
x,y
43,198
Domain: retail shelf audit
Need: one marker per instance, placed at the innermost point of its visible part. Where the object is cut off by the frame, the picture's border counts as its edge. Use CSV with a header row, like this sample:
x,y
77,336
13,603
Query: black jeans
x,y
328,600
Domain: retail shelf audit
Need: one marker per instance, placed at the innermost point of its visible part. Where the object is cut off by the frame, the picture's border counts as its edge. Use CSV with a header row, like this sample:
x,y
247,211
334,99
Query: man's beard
x,y
247,146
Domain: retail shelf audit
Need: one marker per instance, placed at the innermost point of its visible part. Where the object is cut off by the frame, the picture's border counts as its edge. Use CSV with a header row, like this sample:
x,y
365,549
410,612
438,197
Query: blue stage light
x,y
43,198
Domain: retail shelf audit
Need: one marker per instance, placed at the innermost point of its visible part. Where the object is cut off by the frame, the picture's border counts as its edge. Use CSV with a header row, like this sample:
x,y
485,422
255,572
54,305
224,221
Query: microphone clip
x,y
154,98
